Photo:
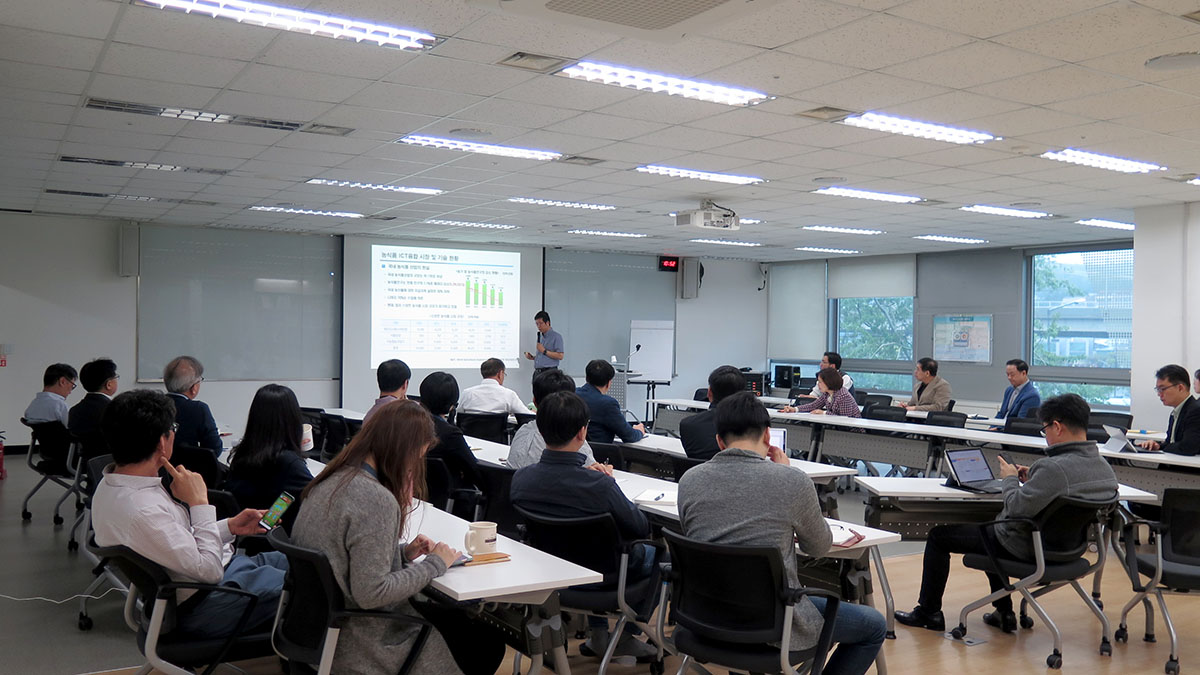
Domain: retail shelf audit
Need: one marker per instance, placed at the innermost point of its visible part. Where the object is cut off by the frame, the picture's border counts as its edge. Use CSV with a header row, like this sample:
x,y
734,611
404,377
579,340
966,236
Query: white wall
x,y
61,299
1166,301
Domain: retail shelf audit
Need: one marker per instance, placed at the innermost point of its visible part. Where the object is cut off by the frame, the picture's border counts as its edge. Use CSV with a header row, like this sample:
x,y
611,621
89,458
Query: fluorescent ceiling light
x,y
135,198
724,242
300,21
748,221
841,230
140,165
906,127
662,84
374,186
1001,211
602,233
1111,224
483,148
951,240
867,194
675,172
463,223
1194,181
569,205
1102,161
307,212
196,115
820,249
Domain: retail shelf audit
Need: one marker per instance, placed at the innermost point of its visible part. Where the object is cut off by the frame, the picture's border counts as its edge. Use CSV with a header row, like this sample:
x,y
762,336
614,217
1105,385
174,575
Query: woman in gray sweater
x,y
355,512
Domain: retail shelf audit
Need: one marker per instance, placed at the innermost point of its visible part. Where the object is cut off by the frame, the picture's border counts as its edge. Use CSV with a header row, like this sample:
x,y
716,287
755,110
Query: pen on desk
x,y
660,496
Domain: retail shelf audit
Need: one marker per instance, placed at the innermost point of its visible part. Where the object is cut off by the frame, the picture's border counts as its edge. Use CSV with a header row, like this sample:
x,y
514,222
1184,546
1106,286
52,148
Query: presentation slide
x,y
440,308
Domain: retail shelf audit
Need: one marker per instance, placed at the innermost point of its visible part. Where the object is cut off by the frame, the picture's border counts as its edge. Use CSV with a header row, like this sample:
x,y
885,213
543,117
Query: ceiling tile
x,y
192,33
1057,84
972,65
434,72
148,92
605,126
1114,27
401,98
275,81
16,75
334,57
69,17
1143,99
779,74
538,37
786,22
984,19
874,42
871,91
512,113
951,108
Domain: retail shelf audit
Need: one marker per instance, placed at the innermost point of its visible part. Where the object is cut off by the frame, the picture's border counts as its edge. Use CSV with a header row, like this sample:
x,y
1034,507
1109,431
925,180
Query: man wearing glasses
x,y
197,428
1183,427
1072,467
50,404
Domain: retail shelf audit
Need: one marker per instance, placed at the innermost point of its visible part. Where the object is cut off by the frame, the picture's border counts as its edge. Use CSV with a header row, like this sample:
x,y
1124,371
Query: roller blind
x,y
873,277
796,310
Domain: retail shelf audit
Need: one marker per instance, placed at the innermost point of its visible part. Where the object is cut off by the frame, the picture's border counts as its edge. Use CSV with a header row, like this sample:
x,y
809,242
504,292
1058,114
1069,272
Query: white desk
x,y
936,489
1155,471
347,413
820,473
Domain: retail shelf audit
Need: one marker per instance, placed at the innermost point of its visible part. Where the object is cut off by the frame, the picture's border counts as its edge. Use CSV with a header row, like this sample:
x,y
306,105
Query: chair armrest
x,y
991,550
627,547
825,640
791,596
163,594
1131,565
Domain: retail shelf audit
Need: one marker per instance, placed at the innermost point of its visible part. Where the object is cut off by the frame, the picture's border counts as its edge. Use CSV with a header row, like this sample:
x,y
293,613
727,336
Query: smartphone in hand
x,y
271,518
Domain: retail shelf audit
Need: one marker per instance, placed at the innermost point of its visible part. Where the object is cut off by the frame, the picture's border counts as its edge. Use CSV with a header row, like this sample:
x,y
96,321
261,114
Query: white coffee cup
x,y
306,438
480,538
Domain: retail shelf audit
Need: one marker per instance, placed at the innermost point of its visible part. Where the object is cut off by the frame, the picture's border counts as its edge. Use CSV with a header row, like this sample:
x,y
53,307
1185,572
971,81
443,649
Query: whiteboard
x,y
965,338
655,361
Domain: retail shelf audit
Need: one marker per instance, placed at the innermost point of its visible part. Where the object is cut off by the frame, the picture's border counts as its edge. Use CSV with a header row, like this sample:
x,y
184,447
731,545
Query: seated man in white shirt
x,y
50,404
527,444
490,395
132,508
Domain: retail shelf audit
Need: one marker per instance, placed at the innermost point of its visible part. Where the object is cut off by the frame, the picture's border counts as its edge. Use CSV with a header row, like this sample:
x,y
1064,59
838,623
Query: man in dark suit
x,y
1183,427
699,432
607,419
1020,396
197,427
99,379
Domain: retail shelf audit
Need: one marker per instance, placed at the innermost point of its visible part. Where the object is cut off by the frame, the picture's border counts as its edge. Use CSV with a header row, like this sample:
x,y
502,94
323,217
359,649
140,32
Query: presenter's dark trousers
x,y
944,540
538,371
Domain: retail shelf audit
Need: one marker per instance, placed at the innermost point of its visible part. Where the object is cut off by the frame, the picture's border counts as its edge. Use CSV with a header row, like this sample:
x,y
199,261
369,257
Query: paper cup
x,y
306,438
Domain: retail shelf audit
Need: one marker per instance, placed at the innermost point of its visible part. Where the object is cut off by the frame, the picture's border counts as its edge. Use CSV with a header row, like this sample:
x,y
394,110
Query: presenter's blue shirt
x,y
552,340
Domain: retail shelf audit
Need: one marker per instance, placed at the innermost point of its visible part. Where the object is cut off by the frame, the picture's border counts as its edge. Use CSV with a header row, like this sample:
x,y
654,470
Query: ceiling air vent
x,y
580,160
1193,16
326,130
76,193
193,115
141,165
3,210
661,20
536,63
826,114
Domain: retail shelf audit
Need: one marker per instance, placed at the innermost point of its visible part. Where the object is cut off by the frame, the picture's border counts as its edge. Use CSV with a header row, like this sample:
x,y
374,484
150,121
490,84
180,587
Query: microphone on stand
x,y
636,349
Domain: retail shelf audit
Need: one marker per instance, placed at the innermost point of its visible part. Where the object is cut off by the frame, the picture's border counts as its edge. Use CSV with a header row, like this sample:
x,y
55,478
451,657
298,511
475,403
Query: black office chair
x,y
860,397
1068,525
887,413
680,465
315,417
595,543
337,434
352,428
610,453
52,453
945,418
488,426
647,462
700,394
881,400
1173,566
200,460
167,650
312,610
950,406
1124,421
1097,434
805,383
523,419
439,490
496,505
732,607
100,567
1022,426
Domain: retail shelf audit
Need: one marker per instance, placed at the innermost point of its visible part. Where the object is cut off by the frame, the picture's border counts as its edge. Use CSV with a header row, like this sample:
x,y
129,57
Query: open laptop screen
x,y
779,438
969,466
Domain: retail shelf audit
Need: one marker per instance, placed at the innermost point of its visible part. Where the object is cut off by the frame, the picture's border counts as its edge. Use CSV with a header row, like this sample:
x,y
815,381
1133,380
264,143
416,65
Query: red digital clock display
x,y
668,263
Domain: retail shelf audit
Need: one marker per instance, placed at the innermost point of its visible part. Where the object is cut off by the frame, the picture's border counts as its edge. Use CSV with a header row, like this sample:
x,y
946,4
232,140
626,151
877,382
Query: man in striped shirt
x,y
834,398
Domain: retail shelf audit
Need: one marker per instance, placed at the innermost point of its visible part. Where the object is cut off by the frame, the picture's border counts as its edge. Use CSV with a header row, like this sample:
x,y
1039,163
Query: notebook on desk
x,y
969,471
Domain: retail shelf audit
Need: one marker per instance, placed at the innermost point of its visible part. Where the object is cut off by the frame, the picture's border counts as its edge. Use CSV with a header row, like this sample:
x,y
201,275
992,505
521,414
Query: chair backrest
x,y
313,596
700,394
52,440
488,426
1066,523
524,418
610,453
805,383
336,436
647,462
1097,434
1181,515
950,406
882,400
438,480
498,508
1112,419
680,465
200,460
591,541
860,397
352,428
95,472
143,573
945,418
724,592
224,502
886,412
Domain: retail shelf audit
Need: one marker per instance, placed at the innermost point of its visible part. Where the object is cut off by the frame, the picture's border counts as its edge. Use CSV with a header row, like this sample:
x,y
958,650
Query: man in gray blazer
x,y
930,392
741,497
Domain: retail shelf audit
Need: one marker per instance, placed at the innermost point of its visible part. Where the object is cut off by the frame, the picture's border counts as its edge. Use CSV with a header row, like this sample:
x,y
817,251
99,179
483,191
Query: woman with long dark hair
x,y
355,512
268,460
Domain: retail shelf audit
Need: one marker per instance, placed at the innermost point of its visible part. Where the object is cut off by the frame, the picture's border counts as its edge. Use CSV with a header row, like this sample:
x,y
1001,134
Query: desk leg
x,y
888,602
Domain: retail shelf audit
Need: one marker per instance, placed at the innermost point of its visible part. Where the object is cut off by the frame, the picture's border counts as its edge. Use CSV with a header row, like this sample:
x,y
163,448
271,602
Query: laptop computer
x,y
1119,442
779,438
969,471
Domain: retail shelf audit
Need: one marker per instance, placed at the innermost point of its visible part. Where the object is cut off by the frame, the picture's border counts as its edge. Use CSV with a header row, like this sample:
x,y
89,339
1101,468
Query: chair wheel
x,y
1054,661
959,632
85,622
58,520
1099,603
1026,621
25,515
1122,634
1172,667
1149,637
1105,648
657,668
72,545
78,507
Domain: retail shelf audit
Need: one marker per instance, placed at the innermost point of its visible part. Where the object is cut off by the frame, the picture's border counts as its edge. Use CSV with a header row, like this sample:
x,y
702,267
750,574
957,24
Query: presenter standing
x,y
549,345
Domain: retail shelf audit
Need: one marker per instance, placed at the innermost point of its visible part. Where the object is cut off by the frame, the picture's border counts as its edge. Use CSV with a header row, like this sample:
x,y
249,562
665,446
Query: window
x,y
868,381
1082,309
877,329
1107,395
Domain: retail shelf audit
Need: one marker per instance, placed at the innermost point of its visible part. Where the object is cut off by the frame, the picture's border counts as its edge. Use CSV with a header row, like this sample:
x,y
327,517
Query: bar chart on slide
x,y
444,308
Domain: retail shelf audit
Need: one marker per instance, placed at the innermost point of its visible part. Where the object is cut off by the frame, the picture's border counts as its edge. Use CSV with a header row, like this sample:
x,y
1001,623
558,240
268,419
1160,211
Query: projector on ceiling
x,y
709,217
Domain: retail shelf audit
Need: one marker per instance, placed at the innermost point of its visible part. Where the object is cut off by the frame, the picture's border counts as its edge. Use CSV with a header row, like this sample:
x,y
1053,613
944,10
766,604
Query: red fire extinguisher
x,y
3,472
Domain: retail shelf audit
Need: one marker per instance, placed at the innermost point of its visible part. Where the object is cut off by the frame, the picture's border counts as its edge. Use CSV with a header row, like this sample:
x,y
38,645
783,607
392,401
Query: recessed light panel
x,y
568,205
951,240
1110,224
1002,211
464,223
676,172
482,148
374,186
1099,161
620,76
867,194
723,242
307,212
907,127
841,230
603,233
820,249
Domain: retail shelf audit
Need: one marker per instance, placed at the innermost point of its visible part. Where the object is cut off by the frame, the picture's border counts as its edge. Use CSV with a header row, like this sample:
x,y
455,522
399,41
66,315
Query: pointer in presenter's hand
x,y
529,356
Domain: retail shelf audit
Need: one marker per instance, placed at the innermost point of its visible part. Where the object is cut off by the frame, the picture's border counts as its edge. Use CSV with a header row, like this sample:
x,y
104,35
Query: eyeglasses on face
x,y
1163,387
1042,431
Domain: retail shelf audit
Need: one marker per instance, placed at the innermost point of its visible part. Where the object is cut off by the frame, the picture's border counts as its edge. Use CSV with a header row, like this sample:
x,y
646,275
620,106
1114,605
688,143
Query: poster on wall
x,y
965,338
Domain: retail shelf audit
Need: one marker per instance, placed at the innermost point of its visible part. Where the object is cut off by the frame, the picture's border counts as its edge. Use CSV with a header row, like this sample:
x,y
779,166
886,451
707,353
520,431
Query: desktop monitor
x,y
783,376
